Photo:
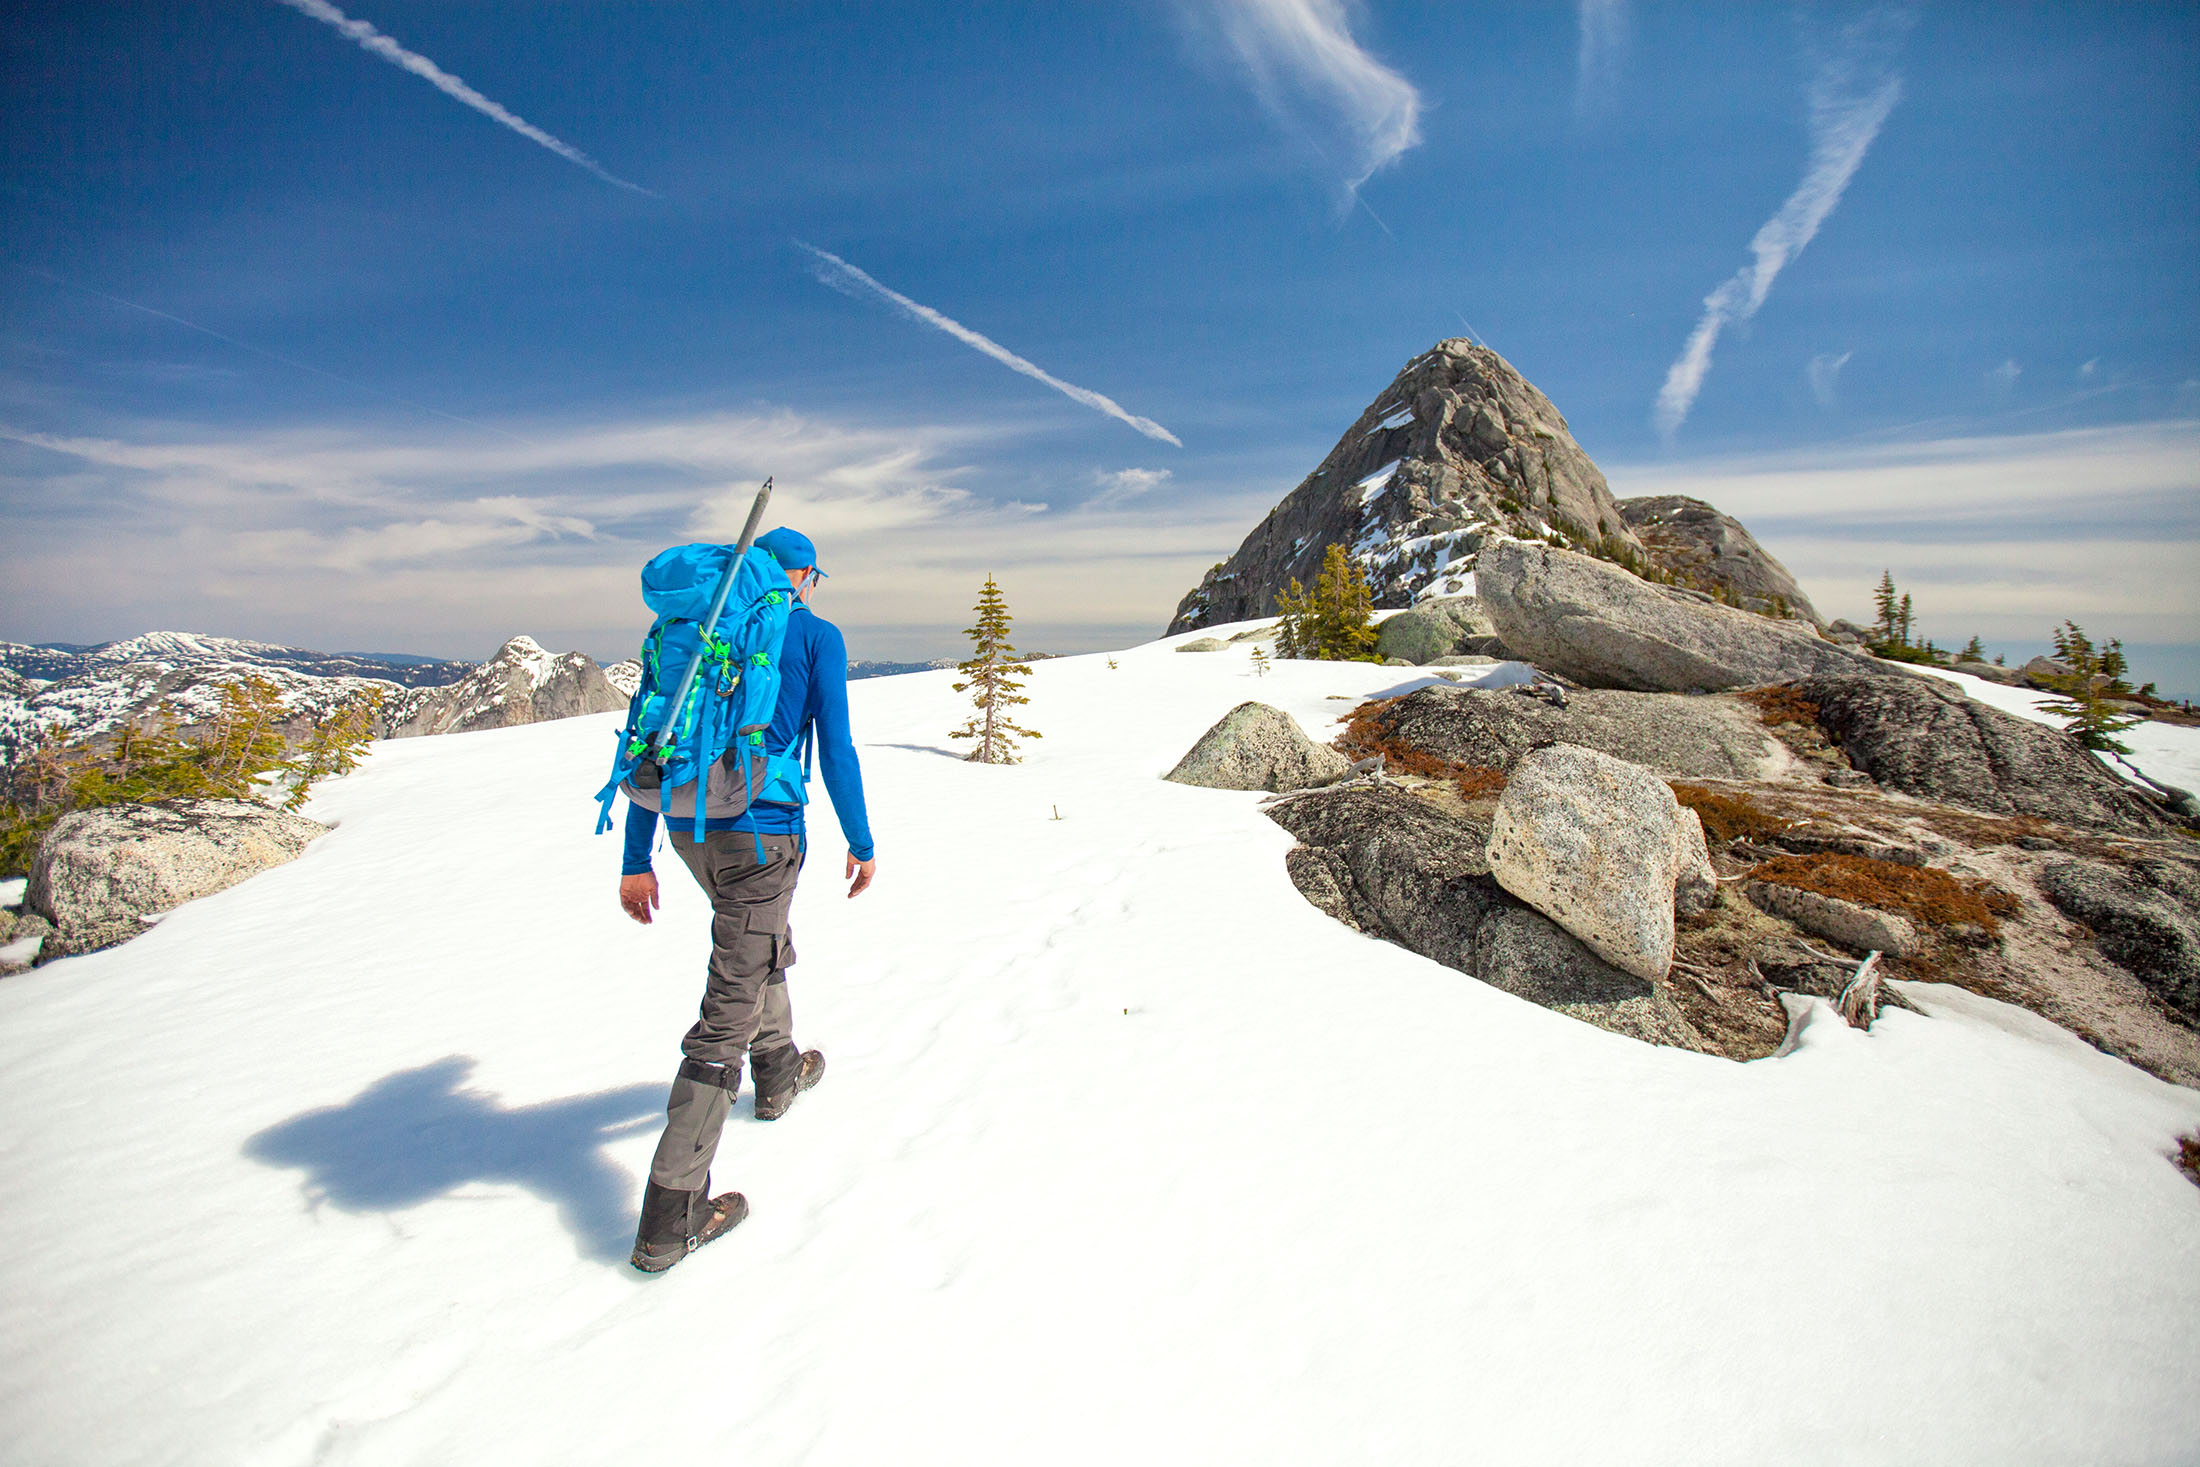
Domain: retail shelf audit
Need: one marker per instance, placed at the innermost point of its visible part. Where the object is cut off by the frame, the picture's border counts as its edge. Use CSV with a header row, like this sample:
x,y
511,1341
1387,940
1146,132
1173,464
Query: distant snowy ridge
x,y
83,693
57,662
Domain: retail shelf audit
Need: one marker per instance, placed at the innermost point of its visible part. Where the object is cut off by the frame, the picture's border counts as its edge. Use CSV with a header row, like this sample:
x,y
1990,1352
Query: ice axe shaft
x,y
710,622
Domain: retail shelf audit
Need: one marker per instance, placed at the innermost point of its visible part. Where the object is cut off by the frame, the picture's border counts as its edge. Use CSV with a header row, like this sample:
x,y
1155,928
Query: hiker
x,y
747,865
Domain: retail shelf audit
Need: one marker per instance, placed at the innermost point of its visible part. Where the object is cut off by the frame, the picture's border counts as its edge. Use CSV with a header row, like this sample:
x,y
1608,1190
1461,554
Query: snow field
x,y
1124,1151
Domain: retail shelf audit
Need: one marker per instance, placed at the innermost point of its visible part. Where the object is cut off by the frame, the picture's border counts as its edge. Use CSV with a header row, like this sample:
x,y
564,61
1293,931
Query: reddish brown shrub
x,y
1923,892
1728,817
1780,704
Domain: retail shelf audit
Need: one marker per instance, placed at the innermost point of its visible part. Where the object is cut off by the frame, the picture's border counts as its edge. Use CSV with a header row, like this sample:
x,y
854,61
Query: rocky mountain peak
x,y
1459,447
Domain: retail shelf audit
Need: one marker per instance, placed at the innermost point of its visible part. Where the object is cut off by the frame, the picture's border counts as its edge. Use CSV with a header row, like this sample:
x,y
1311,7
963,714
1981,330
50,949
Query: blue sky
x,y
296,344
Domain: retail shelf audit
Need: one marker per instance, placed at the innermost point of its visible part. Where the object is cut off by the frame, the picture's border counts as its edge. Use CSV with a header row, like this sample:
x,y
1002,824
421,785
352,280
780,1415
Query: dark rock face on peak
x,y
1458,446
1699,546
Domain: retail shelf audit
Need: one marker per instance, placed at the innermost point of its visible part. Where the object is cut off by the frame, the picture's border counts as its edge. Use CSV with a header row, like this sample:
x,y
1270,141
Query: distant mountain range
x,y
82,690
59,661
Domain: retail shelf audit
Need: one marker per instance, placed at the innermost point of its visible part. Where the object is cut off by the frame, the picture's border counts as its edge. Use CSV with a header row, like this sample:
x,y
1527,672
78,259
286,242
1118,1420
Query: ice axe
x,y
655,747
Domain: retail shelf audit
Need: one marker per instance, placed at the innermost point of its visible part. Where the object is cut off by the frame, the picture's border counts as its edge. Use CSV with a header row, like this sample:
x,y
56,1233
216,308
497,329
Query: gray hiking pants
x,y
745,1009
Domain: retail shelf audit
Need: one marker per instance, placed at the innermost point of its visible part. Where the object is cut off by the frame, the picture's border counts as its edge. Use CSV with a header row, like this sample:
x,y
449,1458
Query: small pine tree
x,y
1260,662
2090,718
1973,651
996,674
2073,646
1294,615
2114,667
1886,608
1905,619
1335,623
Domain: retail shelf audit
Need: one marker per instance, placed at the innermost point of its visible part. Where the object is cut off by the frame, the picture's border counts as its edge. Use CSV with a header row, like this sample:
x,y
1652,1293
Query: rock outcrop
x,y
1688,539
1408,871
101,874
1672,735
521,684
1597,845
1458,447
1922,736
2091,924
1393,866
1599,624
1256,747
1451,626
1528,956
1862,929
2146,918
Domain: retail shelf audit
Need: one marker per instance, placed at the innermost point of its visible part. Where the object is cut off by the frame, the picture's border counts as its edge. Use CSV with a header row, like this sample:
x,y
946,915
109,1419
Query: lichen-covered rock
x,y
1600,625
1202,644
1421,634
22,940
1992,672
100,873
521,684
1385,863
1595,844
1256,747
2146,918
1675,736
1922,736
1851,924
1528,956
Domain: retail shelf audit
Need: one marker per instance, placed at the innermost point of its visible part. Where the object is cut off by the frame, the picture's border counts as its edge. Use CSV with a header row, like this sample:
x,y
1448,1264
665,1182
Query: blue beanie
x,y
791,548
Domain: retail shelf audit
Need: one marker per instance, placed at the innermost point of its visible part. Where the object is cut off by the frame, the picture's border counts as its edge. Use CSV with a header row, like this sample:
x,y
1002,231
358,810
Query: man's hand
x,y
638,894
859,872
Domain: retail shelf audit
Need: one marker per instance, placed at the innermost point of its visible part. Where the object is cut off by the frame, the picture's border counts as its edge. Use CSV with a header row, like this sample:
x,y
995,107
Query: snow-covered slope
x,y
1126,1153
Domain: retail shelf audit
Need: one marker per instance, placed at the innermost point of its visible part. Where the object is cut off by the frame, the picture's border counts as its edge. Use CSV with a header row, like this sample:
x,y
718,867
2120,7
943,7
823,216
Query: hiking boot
x,y
772,1107
675,1224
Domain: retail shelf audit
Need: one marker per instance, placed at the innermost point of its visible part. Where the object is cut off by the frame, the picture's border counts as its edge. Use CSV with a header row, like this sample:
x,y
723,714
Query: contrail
x,y
1850,100
261,351
846,278
420,66
1603,44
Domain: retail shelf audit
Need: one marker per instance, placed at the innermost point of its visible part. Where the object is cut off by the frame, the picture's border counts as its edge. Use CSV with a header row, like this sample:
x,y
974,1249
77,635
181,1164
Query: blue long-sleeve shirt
x,y
813,693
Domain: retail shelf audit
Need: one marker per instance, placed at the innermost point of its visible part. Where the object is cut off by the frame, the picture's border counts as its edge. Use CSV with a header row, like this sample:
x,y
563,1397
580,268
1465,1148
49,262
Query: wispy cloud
x,y
1825,375
1120,488
2005,535
1850,98
846,278
2004,377
420,66
421,537
1301,57
1603,49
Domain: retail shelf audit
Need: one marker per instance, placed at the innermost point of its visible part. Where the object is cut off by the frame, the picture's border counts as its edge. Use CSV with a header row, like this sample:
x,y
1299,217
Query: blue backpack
x,y
713,746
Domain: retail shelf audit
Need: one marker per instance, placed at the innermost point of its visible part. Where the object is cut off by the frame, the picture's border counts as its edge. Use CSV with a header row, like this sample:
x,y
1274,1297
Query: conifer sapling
x,y
995,674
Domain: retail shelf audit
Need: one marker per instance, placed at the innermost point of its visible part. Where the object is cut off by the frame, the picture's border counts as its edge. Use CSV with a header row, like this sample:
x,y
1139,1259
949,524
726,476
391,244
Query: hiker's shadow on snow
x,y
959,755
421,1134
